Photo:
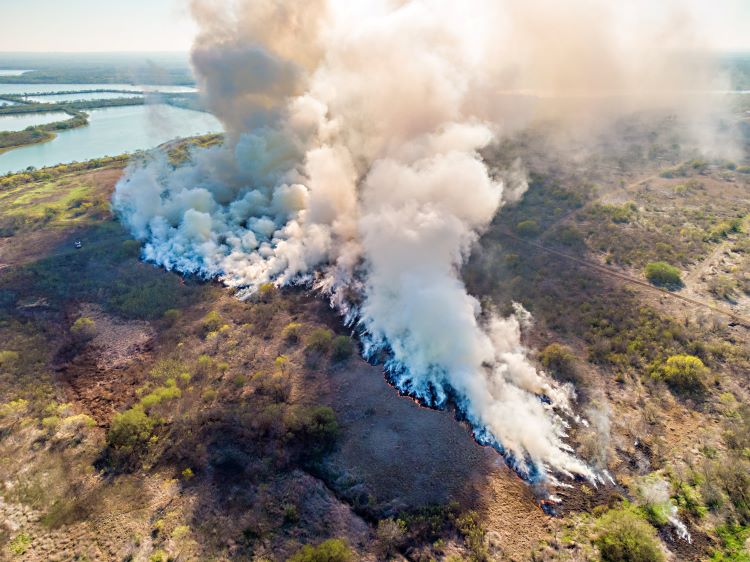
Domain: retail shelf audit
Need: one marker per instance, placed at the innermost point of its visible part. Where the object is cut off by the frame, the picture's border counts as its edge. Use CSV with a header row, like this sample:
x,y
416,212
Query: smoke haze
x,y
352,163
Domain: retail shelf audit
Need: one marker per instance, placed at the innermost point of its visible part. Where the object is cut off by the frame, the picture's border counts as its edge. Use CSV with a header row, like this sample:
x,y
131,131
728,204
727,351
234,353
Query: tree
x,y
662,274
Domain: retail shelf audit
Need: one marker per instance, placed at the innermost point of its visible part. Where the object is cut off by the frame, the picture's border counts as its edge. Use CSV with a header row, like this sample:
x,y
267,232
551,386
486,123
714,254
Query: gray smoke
x,y
353,164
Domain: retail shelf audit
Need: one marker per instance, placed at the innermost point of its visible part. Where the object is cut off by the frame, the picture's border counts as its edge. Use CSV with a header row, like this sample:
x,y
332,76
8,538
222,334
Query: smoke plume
x,y
352,163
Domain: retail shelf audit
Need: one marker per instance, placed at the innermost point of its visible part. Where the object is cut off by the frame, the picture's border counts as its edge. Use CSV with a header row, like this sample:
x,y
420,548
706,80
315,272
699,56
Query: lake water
x,y
20,122
53,98
110,132
7,102
6,72
20,89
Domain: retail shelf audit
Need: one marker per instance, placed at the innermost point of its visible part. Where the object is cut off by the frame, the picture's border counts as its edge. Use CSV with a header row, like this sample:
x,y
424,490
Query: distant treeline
x,y
184,100
99,68
737,67
68,92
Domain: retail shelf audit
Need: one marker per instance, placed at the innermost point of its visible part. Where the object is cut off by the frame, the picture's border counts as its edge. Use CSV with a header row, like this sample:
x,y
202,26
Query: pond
x,y
20,122
110,132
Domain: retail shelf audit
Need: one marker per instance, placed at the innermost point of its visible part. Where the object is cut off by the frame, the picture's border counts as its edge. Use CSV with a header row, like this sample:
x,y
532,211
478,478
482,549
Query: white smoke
x,y
353,163
655,493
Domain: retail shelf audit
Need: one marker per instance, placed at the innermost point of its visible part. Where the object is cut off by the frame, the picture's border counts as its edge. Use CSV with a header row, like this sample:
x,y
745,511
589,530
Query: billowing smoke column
x,y
352,163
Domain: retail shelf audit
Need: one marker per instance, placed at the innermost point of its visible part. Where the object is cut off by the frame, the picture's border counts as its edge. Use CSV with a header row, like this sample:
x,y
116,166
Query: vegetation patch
x,y
663,275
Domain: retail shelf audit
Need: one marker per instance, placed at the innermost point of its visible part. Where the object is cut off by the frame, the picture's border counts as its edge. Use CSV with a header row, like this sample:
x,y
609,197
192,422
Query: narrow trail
x,y
740,320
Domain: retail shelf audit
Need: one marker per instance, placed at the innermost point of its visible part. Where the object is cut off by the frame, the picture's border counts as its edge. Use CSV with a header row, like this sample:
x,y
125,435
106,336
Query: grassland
x,y
145,416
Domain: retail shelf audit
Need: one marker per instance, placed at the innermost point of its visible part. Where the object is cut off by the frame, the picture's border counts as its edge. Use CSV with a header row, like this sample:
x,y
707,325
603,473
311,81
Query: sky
x,y
165,25
95,25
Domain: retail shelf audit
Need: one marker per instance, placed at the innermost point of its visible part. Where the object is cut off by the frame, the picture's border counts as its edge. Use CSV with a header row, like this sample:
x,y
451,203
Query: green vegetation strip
x,y
41,133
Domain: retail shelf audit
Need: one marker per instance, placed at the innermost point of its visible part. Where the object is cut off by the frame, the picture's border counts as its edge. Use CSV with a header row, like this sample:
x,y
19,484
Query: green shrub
x,y
147,299
171,316
332,550
266,292
292,332
15,408
320,340
211,322
20,544
473,533
527,228
724,229
315,427
342,348
159,556
83,329
390,534
560,361
663,274
204,366
131,248
160,394
625,537
683,373
733,541
8,357
130,429
282,363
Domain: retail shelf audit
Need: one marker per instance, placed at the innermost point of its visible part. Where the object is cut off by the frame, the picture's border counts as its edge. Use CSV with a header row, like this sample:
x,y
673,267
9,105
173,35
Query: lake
x,y
20,89
110,132
20,122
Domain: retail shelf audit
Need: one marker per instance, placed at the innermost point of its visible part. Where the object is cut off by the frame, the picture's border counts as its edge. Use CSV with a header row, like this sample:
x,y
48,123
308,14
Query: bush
x,y
625,537
130,429
683,373
390,534
131,248
211,322
266,292
316,427
20,544
158,395
661,273
171,316
560,361
527,228
342,348
8,357
83,329
471,530
332,550
292,332
320,340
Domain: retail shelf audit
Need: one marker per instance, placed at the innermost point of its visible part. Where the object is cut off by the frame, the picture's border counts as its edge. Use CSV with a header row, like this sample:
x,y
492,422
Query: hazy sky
x,y
95,25
165,25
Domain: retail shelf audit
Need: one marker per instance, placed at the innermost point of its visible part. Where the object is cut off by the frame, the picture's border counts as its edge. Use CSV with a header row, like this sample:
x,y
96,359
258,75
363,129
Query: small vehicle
x,y
78,244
